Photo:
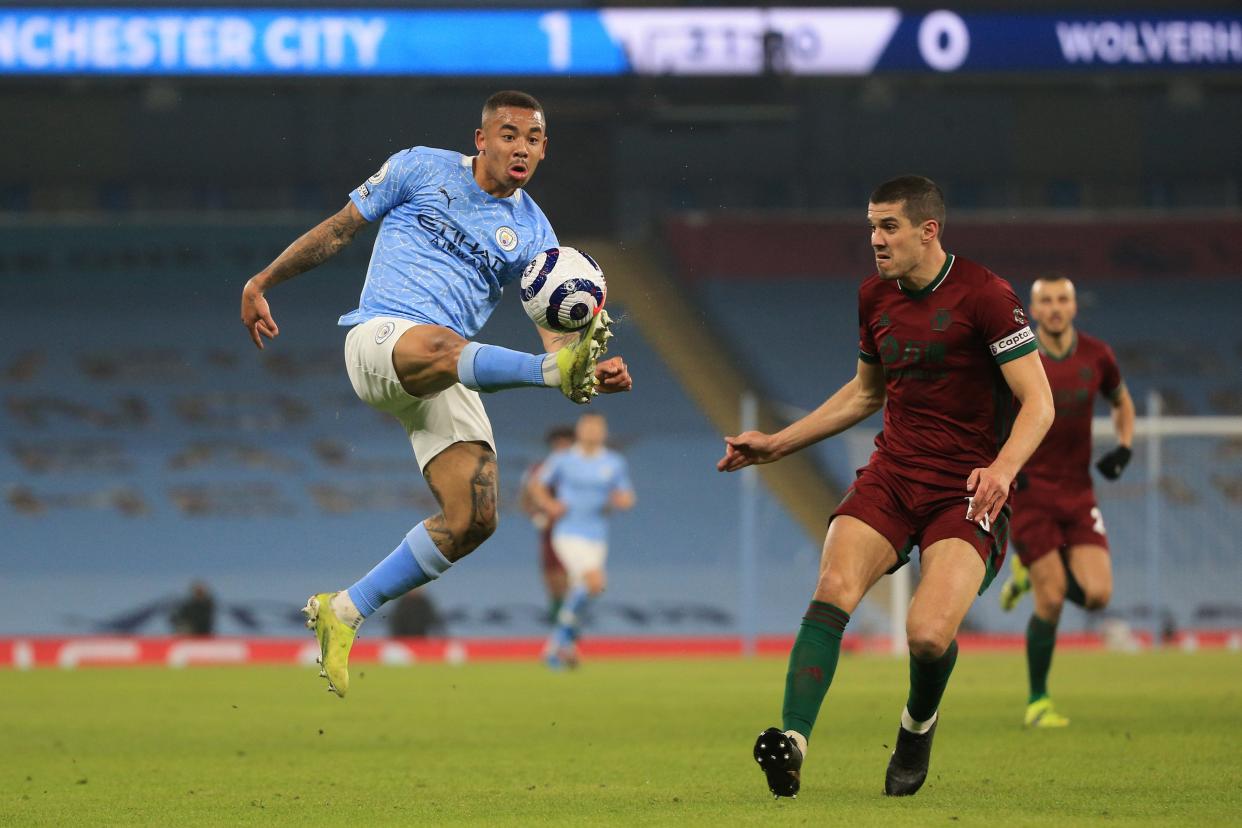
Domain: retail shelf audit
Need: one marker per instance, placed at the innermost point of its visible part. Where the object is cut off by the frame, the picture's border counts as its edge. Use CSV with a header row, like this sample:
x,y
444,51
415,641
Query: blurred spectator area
x,y
625,151
1149,285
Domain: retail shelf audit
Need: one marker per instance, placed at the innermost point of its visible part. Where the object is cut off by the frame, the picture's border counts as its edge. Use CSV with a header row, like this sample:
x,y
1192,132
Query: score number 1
x,y
556,25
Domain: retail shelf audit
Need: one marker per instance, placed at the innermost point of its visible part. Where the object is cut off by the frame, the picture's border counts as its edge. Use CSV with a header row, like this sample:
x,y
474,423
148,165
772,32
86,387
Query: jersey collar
x,y
1069,352
935,283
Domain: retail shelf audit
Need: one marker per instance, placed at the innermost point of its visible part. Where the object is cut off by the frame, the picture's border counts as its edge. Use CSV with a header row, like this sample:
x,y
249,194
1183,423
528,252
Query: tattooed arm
x,y
314,248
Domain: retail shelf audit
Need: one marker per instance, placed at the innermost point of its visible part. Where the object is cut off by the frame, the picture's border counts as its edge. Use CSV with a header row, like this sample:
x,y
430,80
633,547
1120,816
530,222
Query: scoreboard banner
x,y
624,41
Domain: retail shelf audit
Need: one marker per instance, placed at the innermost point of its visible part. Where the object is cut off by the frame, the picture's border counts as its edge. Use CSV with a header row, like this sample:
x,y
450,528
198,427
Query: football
x,y
562,288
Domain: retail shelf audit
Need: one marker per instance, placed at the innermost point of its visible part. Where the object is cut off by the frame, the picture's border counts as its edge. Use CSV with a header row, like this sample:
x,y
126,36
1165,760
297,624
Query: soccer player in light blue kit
x,y
456,229
590,480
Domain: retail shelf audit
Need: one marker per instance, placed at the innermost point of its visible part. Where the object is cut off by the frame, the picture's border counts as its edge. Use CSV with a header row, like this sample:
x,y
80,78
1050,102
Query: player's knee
x,y
426,359
927,644
1049,610
839,588
481,526
1097,596
442,346
470,530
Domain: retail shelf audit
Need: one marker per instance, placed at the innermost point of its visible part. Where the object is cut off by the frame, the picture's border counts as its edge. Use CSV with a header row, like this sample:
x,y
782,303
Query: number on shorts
x,y
1098,517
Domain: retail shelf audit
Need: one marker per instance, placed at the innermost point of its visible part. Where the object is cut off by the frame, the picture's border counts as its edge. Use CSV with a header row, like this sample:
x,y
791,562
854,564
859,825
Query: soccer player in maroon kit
x,y
555,579
945,349
1057,527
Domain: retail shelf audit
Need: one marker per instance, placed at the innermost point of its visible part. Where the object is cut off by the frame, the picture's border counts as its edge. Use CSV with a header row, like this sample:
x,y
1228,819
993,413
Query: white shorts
x,y
579,555
434,422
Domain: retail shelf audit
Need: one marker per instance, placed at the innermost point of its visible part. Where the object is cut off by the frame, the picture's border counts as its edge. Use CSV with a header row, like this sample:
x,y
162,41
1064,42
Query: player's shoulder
x,y
984,286
872,288
1092,346
1086,340
969,272
530,207
422,160
432,155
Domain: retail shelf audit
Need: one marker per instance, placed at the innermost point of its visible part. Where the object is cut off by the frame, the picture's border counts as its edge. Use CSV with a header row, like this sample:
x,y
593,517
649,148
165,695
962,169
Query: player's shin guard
x,y
927,682
413,563
492,368
812,663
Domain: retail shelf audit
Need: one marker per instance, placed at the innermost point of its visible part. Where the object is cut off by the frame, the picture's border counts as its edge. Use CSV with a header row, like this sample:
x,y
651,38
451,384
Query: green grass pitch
x,y
1155,740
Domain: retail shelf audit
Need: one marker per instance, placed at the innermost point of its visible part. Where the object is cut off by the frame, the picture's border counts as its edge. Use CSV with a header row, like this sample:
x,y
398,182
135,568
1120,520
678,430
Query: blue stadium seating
x,y
147,443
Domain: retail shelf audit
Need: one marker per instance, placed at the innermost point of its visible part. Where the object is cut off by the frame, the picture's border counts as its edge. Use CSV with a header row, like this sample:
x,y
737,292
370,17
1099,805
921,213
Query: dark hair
x,y
560,432
1053,276
513,98
922,199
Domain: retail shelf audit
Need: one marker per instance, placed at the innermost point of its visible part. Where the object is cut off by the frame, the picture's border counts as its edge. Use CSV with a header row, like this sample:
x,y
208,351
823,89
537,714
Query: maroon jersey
x,y
948,409
1087,369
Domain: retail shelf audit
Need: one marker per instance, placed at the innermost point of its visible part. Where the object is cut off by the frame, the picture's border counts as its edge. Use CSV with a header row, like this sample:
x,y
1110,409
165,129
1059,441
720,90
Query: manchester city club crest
x,y
507,238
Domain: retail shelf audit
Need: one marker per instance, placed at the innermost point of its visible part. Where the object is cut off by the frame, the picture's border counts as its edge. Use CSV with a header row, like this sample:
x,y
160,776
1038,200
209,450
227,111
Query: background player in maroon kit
x,y
1057,527
555,579
944,348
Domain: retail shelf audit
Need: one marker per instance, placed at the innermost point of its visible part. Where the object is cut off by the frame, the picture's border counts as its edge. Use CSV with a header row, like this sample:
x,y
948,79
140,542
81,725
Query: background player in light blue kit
x,y
590,480
456,229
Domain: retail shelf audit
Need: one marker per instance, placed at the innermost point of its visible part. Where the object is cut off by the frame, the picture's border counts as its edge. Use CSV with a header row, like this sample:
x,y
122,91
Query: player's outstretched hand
x,y
989,488
750,448
613,376
1114,463
256,315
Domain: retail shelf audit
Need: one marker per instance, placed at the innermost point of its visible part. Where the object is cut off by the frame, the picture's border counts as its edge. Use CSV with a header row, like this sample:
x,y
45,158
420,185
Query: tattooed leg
x,y
463,480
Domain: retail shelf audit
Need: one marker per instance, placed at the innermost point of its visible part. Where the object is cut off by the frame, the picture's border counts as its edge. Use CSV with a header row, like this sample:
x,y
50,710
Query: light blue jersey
x,y
446,248
584,485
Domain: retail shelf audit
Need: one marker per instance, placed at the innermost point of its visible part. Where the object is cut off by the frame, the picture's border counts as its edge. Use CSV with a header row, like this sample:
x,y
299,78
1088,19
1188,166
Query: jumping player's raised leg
x,y
430,358
952,573
463,479
855,556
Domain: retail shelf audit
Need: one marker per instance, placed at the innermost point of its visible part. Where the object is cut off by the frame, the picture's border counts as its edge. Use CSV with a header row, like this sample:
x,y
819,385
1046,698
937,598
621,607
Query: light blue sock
x,y
492,368
415,562
567,619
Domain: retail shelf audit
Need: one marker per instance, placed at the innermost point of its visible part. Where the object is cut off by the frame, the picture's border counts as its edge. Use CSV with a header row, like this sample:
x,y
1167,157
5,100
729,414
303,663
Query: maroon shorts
x,y
1049,518
547,555
910,513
